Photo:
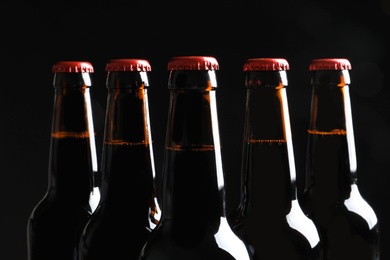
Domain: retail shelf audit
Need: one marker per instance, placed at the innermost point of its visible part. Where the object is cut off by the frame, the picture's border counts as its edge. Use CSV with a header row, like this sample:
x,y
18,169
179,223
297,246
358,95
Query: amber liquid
x,y
192,211
121,223
349,234
57,221
270,191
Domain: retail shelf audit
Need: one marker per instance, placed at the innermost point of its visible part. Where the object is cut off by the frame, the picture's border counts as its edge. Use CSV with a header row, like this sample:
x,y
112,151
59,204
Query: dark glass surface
x,y
119,227
193,224
272,221
55,224
331,197
349,224
128,209
269,216
57,221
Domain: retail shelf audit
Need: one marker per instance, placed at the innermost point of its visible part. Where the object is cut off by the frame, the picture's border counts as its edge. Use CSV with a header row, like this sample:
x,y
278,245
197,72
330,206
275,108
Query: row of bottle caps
x,y
200,63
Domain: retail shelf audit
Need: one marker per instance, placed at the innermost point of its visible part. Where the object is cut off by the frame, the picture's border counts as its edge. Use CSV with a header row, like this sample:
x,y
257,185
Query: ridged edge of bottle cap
x,y
266,64
330,64
72,67
128,65
193,63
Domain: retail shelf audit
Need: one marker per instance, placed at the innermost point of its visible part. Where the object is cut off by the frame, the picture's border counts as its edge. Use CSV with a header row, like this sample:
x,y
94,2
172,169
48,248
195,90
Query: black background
x,y
34,35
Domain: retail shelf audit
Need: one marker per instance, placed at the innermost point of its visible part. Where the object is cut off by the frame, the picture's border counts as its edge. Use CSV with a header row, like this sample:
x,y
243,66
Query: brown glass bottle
x,y
128,209
331,197
56,222
269,216
193,224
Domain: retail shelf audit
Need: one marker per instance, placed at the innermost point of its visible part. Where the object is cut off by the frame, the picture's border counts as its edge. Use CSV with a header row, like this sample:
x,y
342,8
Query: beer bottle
x,y
331,196
57,220
269,215
128,209
193,223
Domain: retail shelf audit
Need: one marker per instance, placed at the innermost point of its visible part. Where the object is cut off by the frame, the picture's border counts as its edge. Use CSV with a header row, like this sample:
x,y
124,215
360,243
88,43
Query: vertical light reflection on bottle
x,y
94,198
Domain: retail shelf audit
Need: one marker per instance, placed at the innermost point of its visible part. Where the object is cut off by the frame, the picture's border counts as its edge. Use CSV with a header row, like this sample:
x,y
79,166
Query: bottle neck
x,y
330,133
193,183
331,112
331,108
72,149
127,144
268,155
267,118
127,117
127,112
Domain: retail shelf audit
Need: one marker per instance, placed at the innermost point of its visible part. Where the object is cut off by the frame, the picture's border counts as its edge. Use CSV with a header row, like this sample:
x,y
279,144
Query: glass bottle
x,y
331,196
193,223
269,216
128,209
70,199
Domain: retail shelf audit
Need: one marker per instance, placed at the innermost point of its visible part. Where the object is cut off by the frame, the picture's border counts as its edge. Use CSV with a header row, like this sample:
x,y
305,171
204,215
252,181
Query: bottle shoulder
x,y
275,223
201,242
359,206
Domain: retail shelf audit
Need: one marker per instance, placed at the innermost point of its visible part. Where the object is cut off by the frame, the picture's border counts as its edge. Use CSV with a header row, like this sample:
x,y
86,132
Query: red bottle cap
x,y
330,64
72,67
264,64
193,63
128,65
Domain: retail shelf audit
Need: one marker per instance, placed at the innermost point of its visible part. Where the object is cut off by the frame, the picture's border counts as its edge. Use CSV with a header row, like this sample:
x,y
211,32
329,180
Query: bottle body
x,y
193,224
128,173
331,195
269,216
57,220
